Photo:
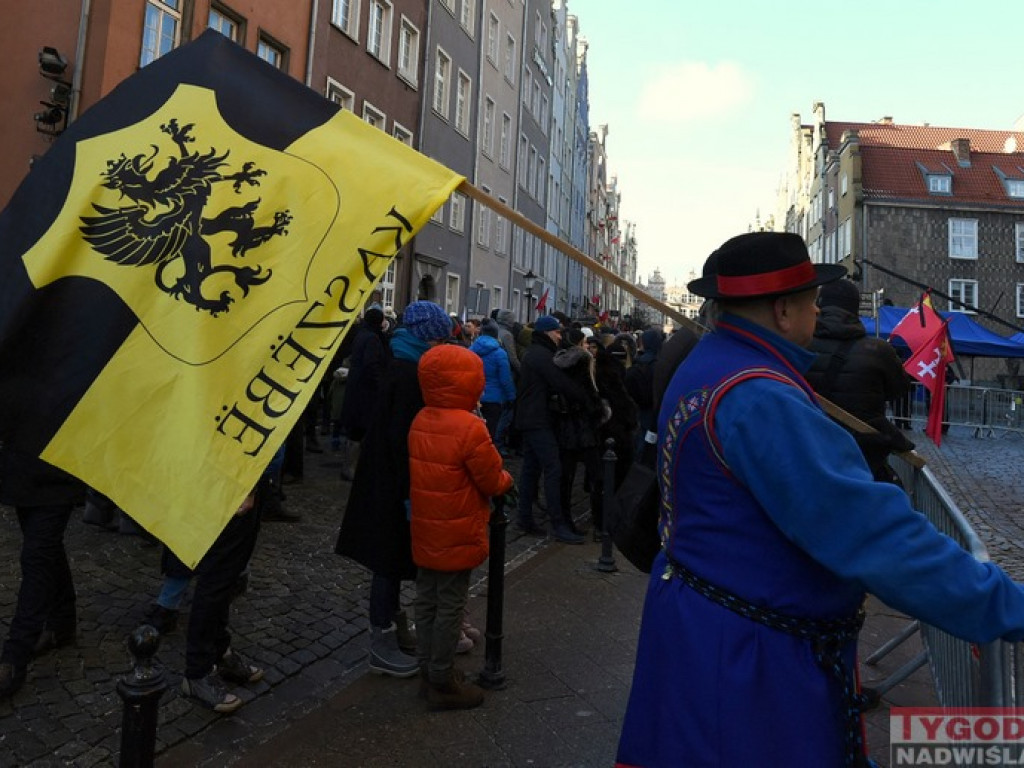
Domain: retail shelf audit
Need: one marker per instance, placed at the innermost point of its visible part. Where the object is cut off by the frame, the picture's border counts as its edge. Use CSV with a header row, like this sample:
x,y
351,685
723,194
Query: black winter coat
x,y
366,364
539,378
375,529
577,426
621,427
860,374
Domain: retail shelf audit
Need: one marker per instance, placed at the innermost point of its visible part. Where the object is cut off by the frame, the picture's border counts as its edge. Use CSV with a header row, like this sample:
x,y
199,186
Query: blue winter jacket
x,y
499,387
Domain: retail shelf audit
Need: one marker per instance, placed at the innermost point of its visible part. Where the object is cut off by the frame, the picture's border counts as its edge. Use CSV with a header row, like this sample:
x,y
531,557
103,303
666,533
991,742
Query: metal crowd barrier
x,y
965,674
989,412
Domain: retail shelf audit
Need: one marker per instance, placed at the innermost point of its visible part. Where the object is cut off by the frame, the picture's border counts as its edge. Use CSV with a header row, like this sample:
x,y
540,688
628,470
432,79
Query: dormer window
x,y
1015,188
940,184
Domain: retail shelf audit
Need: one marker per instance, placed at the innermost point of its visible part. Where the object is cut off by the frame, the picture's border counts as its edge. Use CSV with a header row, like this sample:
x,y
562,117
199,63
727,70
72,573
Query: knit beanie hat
x,y
426,321
489,328
840,293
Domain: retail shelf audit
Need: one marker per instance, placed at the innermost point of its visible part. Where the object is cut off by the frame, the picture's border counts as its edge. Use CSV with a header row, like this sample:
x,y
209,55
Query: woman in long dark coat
x,y
375,529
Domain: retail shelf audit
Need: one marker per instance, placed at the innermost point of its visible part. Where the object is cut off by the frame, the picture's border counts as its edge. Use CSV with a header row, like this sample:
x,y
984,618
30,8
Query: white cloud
x,y
692,90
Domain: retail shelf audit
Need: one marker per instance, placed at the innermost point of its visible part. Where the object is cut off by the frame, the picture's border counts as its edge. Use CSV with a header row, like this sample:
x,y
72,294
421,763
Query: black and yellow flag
x,y
177,272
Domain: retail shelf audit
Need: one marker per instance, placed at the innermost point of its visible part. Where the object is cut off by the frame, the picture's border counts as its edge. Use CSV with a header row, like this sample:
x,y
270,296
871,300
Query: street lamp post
x,y
531,280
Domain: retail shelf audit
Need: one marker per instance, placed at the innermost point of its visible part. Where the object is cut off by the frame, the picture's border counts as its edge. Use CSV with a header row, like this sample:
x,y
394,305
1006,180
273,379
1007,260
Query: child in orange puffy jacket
x,y
454,469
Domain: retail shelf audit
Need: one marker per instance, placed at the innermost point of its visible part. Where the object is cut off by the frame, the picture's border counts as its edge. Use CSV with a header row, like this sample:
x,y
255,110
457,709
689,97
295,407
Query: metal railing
x,y
988,411
965,674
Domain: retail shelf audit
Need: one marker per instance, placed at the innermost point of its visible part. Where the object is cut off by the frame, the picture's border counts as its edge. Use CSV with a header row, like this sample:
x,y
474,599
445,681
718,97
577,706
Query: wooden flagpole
x,y
833,410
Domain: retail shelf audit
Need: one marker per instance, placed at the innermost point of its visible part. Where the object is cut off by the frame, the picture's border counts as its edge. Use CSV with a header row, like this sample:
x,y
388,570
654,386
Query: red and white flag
x,y
919,325
928,365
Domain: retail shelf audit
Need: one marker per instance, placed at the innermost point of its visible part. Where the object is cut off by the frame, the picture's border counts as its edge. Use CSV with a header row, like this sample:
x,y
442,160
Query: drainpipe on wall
x,y
76,77
313,14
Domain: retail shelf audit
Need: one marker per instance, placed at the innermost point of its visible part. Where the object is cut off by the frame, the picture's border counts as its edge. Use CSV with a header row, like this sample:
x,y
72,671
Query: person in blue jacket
x,y
773,530
499,388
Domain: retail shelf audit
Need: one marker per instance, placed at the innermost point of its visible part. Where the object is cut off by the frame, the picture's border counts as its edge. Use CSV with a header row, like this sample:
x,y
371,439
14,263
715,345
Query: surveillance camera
x,y
51,63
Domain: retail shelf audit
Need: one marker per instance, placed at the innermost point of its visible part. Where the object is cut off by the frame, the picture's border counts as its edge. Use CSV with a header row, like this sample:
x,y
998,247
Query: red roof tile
x,y
922,136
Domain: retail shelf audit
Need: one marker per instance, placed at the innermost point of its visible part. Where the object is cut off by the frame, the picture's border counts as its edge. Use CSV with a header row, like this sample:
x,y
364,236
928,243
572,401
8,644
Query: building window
x,y
544,114
449,5
451,294
270,52
403,134
345,16
963,295
463,94
531,172
226,25
1020,299
467,15
493,32
510,59
963,238
1015,187
542,180
457,216
487,127
438,215
496,297
378,34
940,184
844,183
1018,230
483,223
374,116
386,285
340,95
501,233
442,83
408,52
527,87
160,33
505,156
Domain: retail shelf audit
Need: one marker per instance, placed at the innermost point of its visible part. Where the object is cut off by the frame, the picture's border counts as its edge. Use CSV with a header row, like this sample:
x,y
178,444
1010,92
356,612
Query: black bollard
x,y
493,676
606,563
141,692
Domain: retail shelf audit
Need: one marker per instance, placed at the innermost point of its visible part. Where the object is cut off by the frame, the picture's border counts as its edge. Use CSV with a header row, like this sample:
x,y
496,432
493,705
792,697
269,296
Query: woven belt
x,y
826,636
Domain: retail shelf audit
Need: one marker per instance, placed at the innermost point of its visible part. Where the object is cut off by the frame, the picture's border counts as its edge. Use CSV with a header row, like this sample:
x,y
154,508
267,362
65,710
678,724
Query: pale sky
x,y
698,96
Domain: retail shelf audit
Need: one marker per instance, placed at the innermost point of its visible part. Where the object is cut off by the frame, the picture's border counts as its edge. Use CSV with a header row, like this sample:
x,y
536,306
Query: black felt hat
x,y
763,264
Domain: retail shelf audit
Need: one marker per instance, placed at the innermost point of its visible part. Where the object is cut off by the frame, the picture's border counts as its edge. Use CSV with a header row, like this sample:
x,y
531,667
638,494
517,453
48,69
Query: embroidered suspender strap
x,y
826,636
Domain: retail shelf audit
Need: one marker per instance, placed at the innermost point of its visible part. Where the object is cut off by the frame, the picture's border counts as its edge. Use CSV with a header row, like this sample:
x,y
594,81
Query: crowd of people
x,y
772,513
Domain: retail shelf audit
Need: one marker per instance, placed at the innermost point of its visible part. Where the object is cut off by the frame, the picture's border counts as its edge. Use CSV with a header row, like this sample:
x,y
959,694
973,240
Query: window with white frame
x,y
544,114
940,183
226,25
542,180
467,15
160,30
451,294
438,215
442,82
1018,231
483,223
1015,187
340,95
511,62
449,6
387,284
963,294
378,33
505,150
457,215
493,33
487,127
527,87
536,29
963,238
270,52
408,51
501,232
496,297
1020,299
524,153
345,16
402,133
374,116
531,172
535,100
463,95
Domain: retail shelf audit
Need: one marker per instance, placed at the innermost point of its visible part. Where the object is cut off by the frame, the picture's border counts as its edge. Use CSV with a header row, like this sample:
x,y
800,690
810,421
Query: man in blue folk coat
x,y
773,529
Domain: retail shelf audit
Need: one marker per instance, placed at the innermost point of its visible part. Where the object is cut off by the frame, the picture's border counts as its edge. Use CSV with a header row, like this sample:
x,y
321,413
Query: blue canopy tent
x,y
968,337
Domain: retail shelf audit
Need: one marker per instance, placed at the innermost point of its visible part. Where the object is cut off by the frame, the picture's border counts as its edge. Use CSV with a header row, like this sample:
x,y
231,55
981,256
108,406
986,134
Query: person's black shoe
x,y
531,529
163,620
565,535
11,679
50,640
280,515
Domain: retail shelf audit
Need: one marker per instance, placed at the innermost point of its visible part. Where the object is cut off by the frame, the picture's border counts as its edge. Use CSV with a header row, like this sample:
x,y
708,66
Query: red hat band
x,y
779,281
